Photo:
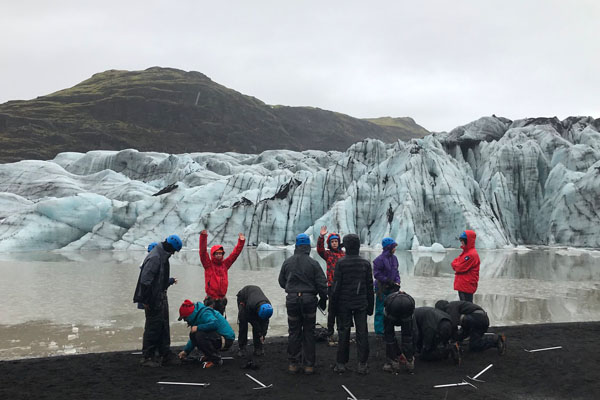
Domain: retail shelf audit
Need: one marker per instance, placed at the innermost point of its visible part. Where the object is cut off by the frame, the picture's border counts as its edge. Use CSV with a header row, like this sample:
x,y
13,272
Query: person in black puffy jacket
x,y
352,298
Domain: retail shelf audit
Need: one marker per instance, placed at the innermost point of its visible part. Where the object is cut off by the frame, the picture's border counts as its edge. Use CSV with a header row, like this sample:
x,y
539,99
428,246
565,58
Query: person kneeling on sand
x,y
216,280
474,324
255,309
352,298
398,311
208,326
434,333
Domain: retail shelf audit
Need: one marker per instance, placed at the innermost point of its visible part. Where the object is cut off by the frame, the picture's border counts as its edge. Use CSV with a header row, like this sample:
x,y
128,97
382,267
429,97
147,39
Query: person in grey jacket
x,y
151,291
303,279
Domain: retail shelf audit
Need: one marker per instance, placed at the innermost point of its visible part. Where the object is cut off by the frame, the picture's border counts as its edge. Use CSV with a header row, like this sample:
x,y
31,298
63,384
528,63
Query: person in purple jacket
x,y
387,279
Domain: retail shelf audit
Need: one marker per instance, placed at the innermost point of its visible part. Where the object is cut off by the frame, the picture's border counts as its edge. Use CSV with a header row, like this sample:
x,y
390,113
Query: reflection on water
x,y
57,303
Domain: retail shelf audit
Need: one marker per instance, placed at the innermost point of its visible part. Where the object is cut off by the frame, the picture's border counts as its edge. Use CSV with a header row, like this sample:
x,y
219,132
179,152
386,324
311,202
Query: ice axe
x,y
479,374
262,385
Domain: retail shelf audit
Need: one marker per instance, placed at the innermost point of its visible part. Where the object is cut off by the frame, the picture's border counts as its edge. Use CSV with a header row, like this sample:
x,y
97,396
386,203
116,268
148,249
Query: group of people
x,y
210,332
351,290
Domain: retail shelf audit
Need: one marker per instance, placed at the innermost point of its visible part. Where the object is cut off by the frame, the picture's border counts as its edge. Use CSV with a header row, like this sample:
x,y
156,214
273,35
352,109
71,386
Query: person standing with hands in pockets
x,y
216,267
331,256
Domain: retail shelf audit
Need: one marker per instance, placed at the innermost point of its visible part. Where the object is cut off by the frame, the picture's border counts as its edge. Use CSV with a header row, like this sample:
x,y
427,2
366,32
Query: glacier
x,y
533,181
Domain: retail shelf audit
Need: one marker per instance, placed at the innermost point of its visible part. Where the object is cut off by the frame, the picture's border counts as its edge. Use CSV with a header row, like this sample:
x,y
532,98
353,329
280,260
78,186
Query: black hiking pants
x,y
392,350
157,334
344,323
209,344
302,316
476,325
462,296
330,314
218,304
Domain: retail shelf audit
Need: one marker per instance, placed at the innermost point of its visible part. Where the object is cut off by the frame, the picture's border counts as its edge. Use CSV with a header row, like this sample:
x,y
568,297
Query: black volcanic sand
x,y
569,373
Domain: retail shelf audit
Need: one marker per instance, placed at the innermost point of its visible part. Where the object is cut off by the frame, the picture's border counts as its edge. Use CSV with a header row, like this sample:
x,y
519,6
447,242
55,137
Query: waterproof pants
x,y
379,299
476,325
302,315
330,314
462,296
209,343
217,304
392,350
344,323
157,334
259,328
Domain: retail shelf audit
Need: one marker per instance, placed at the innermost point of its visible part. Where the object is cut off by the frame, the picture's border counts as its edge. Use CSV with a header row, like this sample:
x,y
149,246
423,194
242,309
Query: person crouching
x,y
398,311
208,326
254,308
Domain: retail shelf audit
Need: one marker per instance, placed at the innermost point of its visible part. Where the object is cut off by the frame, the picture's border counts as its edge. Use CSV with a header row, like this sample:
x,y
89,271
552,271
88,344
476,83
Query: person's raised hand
x,y
241,236
323,230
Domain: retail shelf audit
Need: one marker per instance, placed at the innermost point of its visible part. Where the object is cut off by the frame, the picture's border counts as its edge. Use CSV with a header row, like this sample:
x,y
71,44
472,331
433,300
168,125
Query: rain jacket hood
x,y
216,279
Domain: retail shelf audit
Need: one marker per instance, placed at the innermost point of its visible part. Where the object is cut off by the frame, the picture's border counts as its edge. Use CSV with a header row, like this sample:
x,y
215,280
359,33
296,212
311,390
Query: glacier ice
x,y
525,182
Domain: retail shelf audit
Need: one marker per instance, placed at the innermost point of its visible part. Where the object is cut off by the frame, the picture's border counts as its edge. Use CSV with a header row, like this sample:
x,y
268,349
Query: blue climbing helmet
x,y
265,311
388,241
175,241
302,239
151,246
463,236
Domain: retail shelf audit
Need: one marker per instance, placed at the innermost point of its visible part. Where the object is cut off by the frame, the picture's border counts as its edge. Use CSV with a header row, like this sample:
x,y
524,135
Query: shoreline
x,y
567,373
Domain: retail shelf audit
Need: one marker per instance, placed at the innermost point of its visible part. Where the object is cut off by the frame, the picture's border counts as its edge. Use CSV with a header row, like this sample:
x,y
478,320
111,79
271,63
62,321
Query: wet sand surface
x,y
569,373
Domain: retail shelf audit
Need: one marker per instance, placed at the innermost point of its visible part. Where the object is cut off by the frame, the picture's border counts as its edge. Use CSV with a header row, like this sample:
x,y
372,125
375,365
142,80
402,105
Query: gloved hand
x,y
322,303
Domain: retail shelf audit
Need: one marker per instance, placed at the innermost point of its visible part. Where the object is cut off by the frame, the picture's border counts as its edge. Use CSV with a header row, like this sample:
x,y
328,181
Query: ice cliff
x,y
532,181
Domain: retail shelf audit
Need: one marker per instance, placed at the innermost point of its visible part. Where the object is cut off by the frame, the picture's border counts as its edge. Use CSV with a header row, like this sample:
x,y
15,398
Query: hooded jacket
x,y
457,308
427,322
385,269
302,274
216,280
154,277
330,256
466,266
207,320
352,281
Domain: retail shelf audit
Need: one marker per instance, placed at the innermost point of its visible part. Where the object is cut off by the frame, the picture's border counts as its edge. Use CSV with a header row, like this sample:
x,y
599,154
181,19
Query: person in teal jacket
x,y
208,326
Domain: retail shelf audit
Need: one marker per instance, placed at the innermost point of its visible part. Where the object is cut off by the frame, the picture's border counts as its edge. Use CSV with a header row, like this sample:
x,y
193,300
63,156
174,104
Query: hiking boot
x,y
362,369
331,342
212,364
410,365
308,370
293,368
339,368
501,344
170,359
454,350
391,365
241,353
148,362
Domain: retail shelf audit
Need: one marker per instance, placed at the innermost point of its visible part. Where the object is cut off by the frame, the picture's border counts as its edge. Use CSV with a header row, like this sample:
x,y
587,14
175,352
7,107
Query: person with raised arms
x,y
216,267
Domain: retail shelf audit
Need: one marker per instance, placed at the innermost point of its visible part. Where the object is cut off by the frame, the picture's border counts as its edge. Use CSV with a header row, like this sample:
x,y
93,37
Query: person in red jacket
x,y
216,267
331,256
466,267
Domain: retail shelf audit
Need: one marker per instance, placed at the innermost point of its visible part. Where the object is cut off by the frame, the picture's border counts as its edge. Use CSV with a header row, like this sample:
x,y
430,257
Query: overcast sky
x,y
443,63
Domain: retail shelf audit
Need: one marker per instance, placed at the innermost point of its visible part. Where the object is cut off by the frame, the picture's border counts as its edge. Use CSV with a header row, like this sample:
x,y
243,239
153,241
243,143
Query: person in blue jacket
x,y
207,328
387,279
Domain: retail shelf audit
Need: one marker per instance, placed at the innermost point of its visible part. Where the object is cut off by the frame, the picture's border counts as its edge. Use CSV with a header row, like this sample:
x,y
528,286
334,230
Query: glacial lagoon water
x,y
56,303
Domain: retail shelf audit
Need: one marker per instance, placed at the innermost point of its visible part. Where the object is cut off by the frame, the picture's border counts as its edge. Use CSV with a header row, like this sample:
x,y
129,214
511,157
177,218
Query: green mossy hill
x,y
173,111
